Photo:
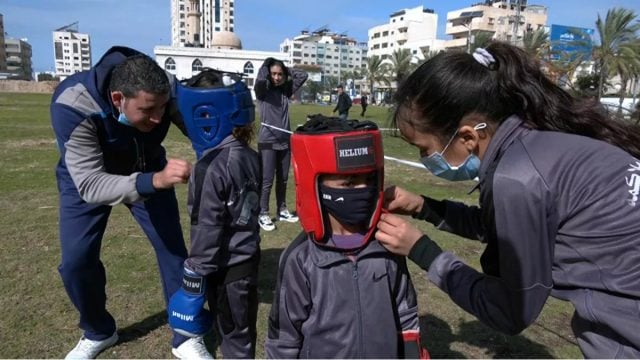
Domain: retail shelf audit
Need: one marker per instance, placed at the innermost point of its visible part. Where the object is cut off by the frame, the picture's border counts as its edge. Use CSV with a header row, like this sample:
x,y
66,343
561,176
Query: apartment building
x,y
194,23
333,53
505,20
18,52
413,29
71,51
3,54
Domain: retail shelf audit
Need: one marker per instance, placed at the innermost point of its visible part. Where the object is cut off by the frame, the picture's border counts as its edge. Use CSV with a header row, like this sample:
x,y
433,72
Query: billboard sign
x,y
569,42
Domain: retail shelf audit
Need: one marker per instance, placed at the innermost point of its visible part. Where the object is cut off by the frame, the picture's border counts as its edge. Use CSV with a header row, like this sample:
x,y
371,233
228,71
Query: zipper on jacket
x,y
140,159
358,309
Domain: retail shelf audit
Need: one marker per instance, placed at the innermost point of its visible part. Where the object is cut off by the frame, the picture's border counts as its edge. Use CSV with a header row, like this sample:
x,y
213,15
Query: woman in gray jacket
x,y
559,185
275,84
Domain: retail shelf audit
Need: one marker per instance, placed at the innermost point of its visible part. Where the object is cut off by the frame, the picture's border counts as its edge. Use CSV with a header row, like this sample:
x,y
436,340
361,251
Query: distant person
x,y
559,202
344,103
363,104
339,293
109,123
275,85
223,203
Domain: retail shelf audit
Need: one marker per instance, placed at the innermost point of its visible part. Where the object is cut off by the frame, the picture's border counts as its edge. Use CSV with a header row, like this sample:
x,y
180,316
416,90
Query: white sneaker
x,y
285,215
265,222
89,349
193,348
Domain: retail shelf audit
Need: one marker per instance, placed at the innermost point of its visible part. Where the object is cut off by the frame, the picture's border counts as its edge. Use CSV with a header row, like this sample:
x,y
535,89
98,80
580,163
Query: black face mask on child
x,y
351,206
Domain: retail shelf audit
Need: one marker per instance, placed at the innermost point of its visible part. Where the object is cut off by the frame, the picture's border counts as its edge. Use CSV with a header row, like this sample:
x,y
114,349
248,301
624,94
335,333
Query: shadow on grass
x,y
438,337
146,326
142,328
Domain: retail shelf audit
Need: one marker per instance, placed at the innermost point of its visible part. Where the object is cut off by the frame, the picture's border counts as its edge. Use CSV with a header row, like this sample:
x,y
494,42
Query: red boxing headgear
x,y
333,146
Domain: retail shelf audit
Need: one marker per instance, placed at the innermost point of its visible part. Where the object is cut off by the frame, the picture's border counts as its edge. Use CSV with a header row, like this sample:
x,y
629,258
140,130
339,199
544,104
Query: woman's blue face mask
x,y
439,166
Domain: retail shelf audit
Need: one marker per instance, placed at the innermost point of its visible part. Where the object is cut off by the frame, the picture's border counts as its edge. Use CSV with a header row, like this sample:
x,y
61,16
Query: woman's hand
x,y
397,234
400,201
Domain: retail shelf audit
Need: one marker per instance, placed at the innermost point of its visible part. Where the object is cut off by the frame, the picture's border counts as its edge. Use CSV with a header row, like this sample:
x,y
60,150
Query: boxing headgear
x,y
210,113
333,146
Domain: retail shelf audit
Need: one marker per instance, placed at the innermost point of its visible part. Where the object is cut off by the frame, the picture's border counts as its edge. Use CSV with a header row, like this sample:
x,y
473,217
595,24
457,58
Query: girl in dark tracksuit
x,y
559,197
275,84
339,293
225,242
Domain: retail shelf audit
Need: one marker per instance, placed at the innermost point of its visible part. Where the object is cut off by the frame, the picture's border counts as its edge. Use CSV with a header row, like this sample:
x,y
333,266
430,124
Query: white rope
x,y
277,128
406,162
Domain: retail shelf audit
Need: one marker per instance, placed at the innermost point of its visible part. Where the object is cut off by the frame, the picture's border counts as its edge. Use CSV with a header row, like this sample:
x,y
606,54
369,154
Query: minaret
x,y
193,23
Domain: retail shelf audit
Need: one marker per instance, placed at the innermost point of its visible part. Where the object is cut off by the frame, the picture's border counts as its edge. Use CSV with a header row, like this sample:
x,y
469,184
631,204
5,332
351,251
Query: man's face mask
x,y
351,206
439,166
122,118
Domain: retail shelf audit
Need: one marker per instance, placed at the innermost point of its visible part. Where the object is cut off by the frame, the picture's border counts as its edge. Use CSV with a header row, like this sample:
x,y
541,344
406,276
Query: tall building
x,y
334,53
3,54
195,22
71,51
414,29
504,20
18,53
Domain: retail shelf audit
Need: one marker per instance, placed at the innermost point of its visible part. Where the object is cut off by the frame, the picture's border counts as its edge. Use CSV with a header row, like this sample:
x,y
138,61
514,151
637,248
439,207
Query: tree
x,y
481,40
401,64
536,43
375,72
311,89
587,85
45,77
618,51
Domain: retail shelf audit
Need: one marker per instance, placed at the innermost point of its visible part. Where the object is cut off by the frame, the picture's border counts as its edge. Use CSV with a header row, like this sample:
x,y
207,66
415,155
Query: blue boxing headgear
x,y
211,111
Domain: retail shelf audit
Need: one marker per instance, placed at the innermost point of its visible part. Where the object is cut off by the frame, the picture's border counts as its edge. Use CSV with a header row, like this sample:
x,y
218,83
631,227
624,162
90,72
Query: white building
x,y
71,51
194,22
505,20
413,29
184,62
334,53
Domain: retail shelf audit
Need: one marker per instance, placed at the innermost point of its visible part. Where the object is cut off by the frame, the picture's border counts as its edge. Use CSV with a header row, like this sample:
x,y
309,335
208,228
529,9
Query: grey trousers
x,y
234,304
274,162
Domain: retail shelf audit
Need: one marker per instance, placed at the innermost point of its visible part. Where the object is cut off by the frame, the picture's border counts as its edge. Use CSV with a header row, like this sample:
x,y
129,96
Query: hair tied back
x,y
485,58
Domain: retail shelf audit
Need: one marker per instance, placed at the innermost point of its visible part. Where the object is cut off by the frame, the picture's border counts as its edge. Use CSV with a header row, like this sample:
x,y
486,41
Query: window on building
x,y
196,65
385,33
169,64
384,45
248,68
249,81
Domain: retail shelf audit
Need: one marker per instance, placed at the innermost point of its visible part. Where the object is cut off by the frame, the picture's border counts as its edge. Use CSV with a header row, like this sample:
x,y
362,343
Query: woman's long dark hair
x,y
451,85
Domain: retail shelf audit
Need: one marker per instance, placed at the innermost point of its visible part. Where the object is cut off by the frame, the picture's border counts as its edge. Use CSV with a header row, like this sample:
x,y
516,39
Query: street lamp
x,y
466,18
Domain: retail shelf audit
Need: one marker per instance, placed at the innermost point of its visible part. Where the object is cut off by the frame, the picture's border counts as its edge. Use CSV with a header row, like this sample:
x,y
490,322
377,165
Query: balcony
x,y
456,43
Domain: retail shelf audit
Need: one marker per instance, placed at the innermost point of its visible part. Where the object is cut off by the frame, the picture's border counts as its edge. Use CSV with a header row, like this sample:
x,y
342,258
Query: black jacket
x,y
344,104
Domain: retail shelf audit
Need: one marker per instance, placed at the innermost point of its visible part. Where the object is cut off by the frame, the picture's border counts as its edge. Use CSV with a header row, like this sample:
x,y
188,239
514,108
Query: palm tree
x,y
627,66
618,50
481,39
536,43
401,64
375,72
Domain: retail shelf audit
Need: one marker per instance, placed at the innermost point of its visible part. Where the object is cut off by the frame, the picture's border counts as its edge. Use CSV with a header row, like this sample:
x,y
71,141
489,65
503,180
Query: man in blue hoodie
x,y
109,124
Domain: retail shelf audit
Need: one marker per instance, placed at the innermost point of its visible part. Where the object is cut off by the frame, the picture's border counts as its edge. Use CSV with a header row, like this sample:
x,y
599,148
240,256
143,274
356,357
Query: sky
x,y
260,24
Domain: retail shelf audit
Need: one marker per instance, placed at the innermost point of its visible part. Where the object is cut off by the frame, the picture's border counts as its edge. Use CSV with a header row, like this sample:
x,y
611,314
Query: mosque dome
x,y
225,40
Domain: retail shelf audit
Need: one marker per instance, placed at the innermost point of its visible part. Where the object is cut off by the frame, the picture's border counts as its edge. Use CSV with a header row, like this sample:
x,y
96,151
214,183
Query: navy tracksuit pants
x,y
82,227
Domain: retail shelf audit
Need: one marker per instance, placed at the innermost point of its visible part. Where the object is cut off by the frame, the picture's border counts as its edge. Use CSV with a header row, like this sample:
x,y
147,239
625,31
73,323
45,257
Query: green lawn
x,y
38,320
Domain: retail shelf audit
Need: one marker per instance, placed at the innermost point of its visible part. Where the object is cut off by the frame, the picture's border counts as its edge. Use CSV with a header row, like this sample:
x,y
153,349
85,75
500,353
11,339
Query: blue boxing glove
x,y
187,315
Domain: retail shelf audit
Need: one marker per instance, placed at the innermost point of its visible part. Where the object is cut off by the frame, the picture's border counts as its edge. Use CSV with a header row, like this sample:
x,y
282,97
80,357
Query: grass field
x,y
37,320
